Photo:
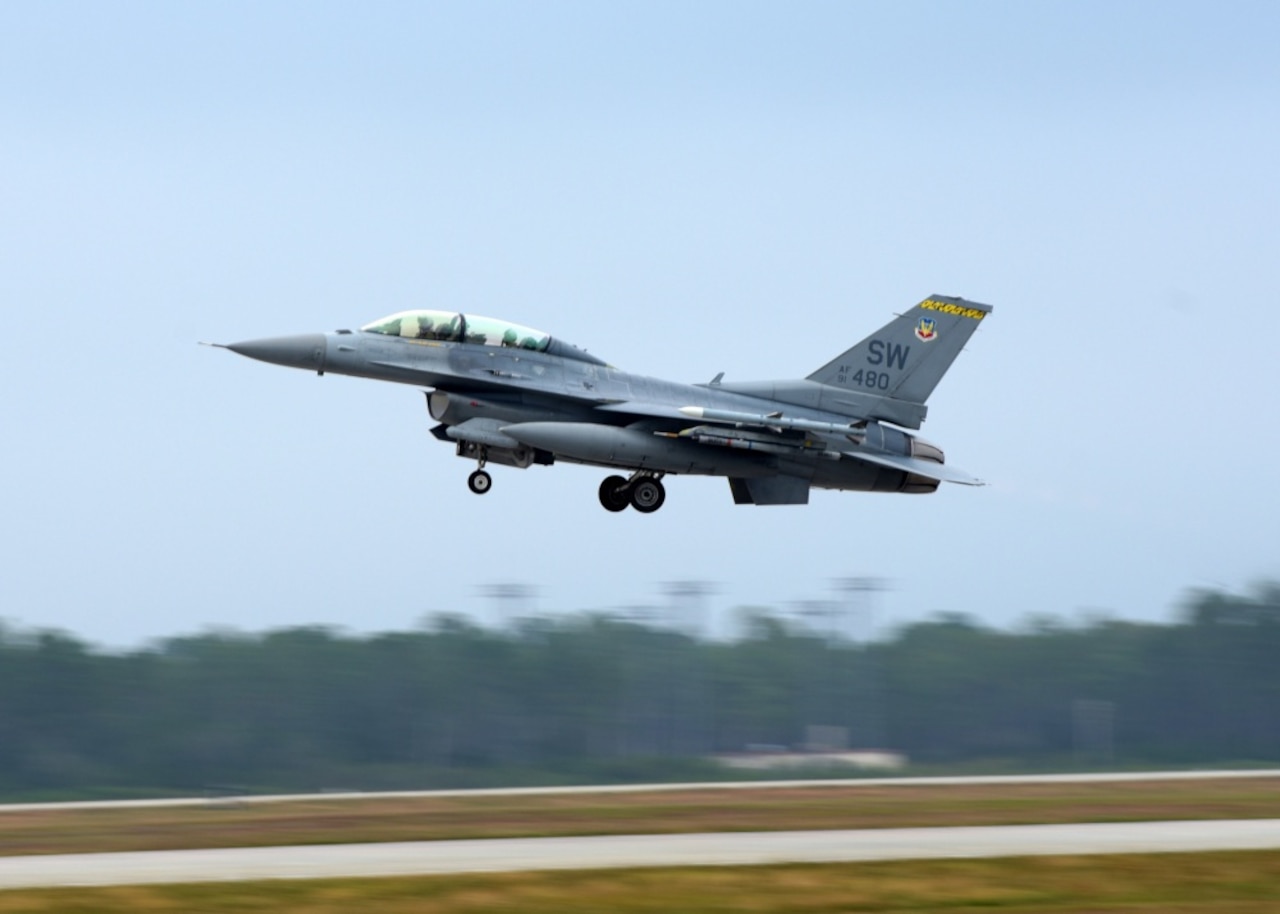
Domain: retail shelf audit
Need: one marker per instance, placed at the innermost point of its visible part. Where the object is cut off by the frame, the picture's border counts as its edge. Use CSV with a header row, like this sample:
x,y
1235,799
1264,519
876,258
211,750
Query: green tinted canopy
x,y
459,328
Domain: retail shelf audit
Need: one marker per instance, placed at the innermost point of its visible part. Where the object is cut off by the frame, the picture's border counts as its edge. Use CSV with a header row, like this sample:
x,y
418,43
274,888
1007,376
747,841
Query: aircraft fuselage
x,y
509,395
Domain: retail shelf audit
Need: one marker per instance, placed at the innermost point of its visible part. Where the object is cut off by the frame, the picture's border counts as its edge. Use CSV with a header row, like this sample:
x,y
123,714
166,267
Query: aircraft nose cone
x,y
306,350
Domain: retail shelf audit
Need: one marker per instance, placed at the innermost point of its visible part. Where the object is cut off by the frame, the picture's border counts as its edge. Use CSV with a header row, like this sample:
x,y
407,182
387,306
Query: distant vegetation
x,y
589,698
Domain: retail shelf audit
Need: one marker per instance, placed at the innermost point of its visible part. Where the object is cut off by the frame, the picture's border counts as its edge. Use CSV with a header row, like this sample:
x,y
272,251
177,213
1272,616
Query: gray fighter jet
x,y
509,395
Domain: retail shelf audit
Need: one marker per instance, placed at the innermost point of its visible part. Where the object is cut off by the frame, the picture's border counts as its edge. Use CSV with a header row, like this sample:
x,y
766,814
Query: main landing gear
x,y
643,491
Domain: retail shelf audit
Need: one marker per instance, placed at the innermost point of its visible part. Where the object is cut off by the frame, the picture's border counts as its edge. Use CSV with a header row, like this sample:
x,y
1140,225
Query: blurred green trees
x,y
593,697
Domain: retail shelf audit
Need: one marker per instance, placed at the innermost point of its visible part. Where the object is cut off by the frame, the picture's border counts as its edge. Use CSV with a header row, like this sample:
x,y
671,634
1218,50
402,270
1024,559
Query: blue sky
x,y
682,189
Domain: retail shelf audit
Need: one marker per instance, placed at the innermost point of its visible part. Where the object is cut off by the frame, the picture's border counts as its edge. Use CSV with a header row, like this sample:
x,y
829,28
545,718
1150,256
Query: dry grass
x,y
1222,883
770,809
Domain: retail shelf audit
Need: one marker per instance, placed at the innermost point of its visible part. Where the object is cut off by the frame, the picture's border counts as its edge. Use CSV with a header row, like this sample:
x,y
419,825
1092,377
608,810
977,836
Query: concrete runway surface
x,y
852,783
733,849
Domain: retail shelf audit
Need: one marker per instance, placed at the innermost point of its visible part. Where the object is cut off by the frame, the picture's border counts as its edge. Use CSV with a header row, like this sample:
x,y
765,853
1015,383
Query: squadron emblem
x,y
926,330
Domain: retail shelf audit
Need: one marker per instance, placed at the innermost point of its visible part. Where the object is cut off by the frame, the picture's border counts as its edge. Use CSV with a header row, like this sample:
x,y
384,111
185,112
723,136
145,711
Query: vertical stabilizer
x,y
907,357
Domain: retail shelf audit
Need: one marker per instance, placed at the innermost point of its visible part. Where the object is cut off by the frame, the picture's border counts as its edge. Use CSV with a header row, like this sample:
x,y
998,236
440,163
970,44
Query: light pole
x,y
688,600
509,600
867,720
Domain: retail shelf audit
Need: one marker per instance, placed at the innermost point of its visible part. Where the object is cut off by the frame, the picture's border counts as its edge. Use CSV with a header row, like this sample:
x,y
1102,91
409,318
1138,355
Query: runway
x,y
721,849
870,783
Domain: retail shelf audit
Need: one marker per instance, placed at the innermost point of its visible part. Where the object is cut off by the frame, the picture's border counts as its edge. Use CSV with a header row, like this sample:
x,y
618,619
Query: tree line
x,y
599,698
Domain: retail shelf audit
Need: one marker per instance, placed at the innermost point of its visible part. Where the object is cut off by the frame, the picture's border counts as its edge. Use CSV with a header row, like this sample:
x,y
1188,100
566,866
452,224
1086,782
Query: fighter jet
x,y
506,394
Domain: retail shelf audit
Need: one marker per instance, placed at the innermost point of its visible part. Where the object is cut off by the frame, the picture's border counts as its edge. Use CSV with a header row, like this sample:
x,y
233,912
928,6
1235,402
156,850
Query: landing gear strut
x,y
480,481
643,491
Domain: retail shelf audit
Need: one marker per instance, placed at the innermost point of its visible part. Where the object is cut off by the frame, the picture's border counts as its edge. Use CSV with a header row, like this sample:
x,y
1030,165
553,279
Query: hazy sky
x,y
683,189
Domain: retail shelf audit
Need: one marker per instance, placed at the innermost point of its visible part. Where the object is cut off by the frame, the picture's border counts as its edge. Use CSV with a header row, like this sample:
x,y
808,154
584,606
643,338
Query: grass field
x,y
1221,883
855,805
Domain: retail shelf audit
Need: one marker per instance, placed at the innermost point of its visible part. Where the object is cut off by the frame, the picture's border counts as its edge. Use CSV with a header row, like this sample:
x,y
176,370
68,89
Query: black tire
x,y
480,482
647,495
613,494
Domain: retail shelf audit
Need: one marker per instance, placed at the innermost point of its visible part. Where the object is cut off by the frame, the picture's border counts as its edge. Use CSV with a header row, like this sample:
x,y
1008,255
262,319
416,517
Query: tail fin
x,y
907,357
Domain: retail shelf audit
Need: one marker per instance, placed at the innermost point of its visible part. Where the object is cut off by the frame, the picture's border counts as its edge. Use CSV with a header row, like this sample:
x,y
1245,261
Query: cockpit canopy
x,y
458,328
450,327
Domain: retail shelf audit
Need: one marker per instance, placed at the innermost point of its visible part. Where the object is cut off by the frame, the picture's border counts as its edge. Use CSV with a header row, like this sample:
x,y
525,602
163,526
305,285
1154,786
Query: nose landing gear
x,y
479,482
643,491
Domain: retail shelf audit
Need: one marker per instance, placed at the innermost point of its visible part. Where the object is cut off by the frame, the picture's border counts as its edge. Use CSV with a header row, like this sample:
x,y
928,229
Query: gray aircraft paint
x,y
545,400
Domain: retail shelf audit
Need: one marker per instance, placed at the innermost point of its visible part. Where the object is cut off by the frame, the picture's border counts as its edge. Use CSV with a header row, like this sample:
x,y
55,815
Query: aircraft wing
x,y
643,410
685,414
787,426
837,434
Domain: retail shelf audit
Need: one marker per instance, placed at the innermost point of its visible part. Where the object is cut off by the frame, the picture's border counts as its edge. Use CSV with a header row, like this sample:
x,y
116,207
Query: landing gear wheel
x,y
479,482
647,495
613,494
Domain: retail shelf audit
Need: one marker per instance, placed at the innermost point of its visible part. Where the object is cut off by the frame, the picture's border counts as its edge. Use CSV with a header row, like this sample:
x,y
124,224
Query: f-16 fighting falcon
x,y
509,395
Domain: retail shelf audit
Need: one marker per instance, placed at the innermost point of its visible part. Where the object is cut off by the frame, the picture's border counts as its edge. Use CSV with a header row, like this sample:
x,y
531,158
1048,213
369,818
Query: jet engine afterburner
x,y
922,485
895,441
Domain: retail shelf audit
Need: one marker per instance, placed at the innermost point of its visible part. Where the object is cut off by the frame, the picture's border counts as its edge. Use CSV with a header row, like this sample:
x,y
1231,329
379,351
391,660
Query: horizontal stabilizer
x,y
927,468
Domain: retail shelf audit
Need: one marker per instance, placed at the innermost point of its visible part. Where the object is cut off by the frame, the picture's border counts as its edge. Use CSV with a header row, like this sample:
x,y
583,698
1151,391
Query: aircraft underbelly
x,y
635,448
